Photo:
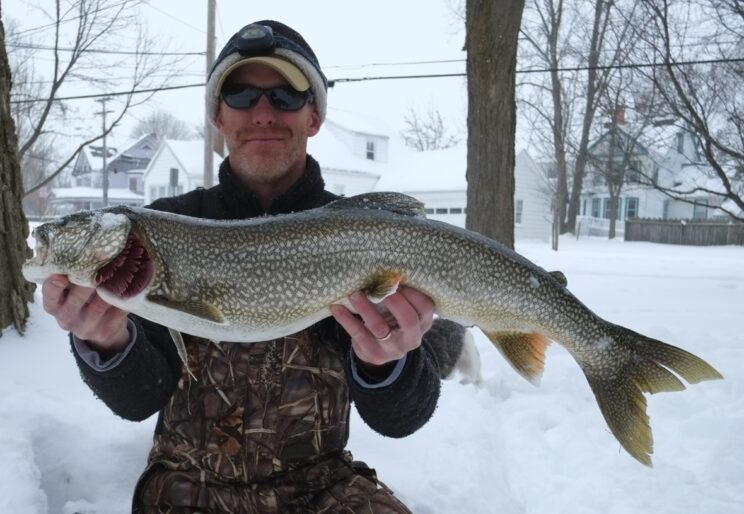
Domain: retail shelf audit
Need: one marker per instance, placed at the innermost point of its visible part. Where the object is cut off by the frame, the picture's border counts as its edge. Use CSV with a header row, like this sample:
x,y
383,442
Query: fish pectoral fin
x,y
195,308
384,201
181,349
382,284
525,351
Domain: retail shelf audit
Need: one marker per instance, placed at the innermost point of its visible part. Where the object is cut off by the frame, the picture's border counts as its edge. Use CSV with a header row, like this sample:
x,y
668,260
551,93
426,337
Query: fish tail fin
x,y
524,351
650,366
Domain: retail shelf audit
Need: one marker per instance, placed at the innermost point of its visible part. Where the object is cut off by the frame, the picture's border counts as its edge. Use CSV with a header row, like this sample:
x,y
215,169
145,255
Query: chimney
x,y
619,115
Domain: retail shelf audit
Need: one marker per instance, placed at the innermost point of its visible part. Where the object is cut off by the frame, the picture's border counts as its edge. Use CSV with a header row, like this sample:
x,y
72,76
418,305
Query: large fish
x,y
258,279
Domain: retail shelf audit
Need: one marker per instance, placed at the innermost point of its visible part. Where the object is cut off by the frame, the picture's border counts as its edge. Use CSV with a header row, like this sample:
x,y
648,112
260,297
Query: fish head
x,y
78,245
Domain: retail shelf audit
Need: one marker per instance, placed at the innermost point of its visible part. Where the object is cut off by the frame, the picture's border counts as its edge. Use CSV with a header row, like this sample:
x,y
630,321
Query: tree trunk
x,y
15,292
590,107
492,28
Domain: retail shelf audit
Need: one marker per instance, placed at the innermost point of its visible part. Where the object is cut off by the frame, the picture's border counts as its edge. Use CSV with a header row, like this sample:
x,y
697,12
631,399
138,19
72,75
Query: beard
x,y
265,163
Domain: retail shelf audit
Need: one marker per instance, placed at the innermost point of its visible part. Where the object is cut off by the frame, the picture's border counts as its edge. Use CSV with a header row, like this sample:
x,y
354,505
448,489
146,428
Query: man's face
x,y
266,145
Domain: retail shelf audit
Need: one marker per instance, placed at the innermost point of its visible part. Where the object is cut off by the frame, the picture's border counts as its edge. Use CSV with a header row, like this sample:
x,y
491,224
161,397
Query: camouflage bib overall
x,y
262,429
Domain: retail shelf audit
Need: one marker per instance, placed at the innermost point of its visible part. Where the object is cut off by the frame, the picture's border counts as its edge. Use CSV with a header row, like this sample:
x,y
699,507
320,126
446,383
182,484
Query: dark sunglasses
x,y
284,98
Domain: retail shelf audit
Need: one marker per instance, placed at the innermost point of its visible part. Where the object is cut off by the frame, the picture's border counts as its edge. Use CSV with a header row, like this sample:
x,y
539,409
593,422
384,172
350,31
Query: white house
x,y
353,151
176,167
675,161
437,178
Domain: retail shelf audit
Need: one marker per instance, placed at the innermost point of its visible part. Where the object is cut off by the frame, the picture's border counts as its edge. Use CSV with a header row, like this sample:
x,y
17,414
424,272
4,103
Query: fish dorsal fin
x,y
384,201
195,308
560,277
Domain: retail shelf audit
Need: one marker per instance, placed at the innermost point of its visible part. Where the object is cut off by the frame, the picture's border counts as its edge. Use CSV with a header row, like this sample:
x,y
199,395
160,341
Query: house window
x,y
606,208
371,150
429,211
455,210
631,207
518,208
700,210
173,181
595,207
441,210
134,185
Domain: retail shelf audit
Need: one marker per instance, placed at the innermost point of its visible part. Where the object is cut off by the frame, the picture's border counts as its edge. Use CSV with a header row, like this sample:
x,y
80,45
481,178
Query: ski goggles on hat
x,y
245,96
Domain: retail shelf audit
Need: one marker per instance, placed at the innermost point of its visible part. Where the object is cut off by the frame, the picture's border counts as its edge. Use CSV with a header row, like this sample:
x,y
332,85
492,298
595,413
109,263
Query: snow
x,y
505,447
114,193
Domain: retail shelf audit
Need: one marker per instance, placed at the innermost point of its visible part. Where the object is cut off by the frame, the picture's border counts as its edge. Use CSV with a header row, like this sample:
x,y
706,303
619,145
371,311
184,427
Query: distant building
x,y
437,178
176,167
125,171
675,160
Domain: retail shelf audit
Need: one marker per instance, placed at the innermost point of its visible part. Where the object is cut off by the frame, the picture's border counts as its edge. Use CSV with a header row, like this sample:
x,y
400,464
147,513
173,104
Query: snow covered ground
x,y
506,447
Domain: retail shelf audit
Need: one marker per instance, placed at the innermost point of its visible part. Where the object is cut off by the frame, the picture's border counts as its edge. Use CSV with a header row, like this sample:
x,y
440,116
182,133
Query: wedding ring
x,y
386,336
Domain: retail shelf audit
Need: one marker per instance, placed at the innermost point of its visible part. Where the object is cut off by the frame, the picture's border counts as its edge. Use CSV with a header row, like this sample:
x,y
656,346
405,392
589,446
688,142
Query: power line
x,y
98,51
148,4
549,70
332,82
118,93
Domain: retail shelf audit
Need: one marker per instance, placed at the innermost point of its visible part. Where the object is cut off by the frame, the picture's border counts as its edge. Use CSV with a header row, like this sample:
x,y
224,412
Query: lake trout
x,y
263,278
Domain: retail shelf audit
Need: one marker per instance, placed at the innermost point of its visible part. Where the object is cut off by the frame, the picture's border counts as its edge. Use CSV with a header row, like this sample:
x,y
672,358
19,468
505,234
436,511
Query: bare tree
x,y
561,37
427,133
15,292
165,126
544,38
87,37
492,29
706,98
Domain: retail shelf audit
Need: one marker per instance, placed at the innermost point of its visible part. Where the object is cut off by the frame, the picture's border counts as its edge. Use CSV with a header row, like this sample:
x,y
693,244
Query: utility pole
x,y
103,112
208,129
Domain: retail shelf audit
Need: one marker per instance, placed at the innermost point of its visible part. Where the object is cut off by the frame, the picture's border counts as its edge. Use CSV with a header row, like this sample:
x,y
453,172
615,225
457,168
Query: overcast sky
x,y
345,35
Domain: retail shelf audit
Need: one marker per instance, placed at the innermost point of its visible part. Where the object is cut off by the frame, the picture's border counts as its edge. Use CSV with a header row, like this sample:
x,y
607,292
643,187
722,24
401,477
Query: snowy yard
x,y
505,448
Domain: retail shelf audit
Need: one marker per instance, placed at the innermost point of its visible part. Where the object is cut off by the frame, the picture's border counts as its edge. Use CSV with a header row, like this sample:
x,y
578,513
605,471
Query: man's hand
x,y
381,338
81,311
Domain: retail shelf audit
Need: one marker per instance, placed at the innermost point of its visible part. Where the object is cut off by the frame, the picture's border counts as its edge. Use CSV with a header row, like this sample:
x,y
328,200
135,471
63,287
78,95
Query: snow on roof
x,y
114,193
119,147
356,122
190,155
333,154
434,170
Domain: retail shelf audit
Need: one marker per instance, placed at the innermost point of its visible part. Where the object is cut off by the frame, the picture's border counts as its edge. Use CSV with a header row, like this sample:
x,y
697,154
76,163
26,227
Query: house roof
x,y
189,154
360,123
121,147
333,154
435,170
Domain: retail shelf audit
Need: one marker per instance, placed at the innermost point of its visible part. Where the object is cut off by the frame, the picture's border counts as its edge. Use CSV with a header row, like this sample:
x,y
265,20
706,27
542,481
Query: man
x,y
264,426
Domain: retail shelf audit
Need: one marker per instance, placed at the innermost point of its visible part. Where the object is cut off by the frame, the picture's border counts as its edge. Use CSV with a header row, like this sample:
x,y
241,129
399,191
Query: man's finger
x,y
353,326
421,302
53,292
374,321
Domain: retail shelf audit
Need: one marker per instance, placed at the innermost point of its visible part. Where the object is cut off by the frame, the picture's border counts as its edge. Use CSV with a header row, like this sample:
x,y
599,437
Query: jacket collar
x,y
306,193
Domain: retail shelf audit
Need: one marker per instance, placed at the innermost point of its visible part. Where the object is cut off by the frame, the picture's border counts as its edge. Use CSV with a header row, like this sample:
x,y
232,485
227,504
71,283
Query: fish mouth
x,y
130,272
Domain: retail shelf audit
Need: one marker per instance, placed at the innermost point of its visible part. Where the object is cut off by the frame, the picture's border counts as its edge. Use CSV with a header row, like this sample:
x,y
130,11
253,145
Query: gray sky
x,y
345,35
